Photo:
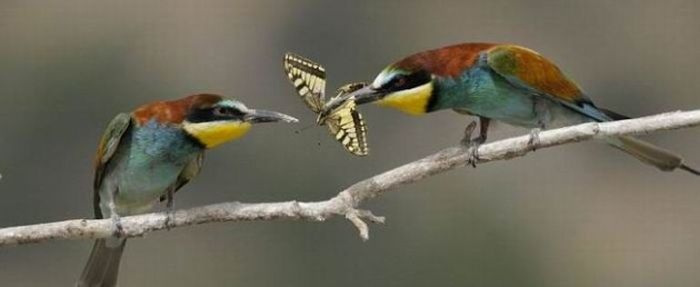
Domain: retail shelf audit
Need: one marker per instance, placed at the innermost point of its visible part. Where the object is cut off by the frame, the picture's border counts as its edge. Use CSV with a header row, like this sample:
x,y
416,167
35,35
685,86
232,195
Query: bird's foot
x,y
534,140
473,149
169,219
474,154
117,223
472,144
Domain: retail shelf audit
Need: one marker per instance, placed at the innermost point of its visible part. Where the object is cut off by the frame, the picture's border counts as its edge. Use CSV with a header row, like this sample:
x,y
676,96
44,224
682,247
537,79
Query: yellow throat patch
x,y
413,101
212,134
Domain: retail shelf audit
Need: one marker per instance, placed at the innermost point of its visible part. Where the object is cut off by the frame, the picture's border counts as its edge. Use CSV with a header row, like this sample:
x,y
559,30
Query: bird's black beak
x,y
366,94
361,96
263,116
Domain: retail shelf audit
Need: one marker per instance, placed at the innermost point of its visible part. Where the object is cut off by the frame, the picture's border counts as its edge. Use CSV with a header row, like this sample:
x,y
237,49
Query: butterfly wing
x,y
348,128
309,79
344,122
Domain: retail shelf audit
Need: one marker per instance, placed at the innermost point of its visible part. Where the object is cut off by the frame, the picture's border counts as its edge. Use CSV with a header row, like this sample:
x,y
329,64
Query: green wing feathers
x,y
106,149
191,170
527,68
111,137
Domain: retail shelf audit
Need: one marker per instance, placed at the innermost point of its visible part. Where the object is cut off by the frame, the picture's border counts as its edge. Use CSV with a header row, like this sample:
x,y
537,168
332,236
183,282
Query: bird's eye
x,y
220,111
399,81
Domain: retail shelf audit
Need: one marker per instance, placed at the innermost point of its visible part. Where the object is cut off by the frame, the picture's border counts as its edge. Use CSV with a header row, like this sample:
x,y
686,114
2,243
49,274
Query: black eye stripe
x,y
231,111
235,112
406,82
215,114
219,111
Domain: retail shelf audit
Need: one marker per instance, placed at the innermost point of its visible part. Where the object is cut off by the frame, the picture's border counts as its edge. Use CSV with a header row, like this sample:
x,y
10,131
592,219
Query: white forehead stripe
x,y
384,77
232,104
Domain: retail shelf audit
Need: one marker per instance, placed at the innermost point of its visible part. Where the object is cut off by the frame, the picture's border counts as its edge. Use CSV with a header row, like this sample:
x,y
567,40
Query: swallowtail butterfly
x,y
344,122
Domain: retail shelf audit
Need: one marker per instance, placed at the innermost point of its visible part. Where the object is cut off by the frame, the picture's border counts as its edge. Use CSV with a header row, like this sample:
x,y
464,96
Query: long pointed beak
x,y
366,94
361,96
263,116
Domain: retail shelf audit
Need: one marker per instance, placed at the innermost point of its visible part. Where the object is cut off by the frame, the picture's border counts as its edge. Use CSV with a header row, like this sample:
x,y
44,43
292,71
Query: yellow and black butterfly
x,y
343,121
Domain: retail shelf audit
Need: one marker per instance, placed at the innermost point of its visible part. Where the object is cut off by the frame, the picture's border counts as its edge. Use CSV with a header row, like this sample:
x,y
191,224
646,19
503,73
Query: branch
x,y
347,201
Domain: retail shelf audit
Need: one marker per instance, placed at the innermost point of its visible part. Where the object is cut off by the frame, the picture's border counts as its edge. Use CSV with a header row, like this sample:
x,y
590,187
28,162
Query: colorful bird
x,y
144,157
508,83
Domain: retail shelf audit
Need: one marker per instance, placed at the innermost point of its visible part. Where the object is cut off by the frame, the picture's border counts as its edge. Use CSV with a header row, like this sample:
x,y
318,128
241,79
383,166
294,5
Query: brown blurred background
x,y
578,215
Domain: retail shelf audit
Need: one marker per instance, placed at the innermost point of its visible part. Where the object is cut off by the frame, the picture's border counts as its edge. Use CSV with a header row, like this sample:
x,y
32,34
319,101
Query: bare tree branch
x,y
347,201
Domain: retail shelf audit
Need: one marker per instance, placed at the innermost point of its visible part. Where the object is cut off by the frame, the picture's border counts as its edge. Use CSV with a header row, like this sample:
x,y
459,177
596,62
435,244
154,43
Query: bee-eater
x,y
145,156
508,83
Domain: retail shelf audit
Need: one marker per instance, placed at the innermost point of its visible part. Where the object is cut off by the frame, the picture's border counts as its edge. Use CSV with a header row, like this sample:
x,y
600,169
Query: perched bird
x,y
145,156
508,83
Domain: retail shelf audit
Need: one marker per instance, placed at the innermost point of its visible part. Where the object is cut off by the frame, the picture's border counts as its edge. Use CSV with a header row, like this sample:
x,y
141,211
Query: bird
x,y
344,122
147,155
498,82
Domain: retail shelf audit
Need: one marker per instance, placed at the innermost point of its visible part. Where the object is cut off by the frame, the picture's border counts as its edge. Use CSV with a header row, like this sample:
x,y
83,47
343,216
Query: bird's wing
x,y
108,146
309,79
526,69
190,171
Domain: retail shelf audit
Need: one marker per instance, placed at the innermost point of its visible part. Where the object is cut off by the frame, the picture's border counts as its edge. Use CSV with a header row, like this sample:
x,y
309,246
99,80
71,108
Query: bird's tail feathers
x,y
689,169
650,154
614,115
102,267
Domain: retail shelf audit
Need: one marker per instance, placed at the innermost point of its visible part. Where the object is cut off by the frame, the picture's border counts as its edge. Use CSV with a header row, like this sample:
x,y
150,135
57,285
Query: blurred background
x,y
577,215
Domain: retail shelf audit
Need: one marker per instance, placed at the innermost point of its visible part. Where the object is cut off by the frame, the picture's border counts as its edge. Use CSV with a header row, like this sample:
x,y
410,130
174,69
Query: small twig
x,y
347,201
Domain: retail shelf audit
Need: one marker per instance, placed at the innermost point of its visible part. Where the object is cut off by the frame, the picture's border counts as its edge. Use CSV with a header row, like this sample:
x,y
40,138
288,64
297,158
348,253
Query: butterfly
x,y
344,121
